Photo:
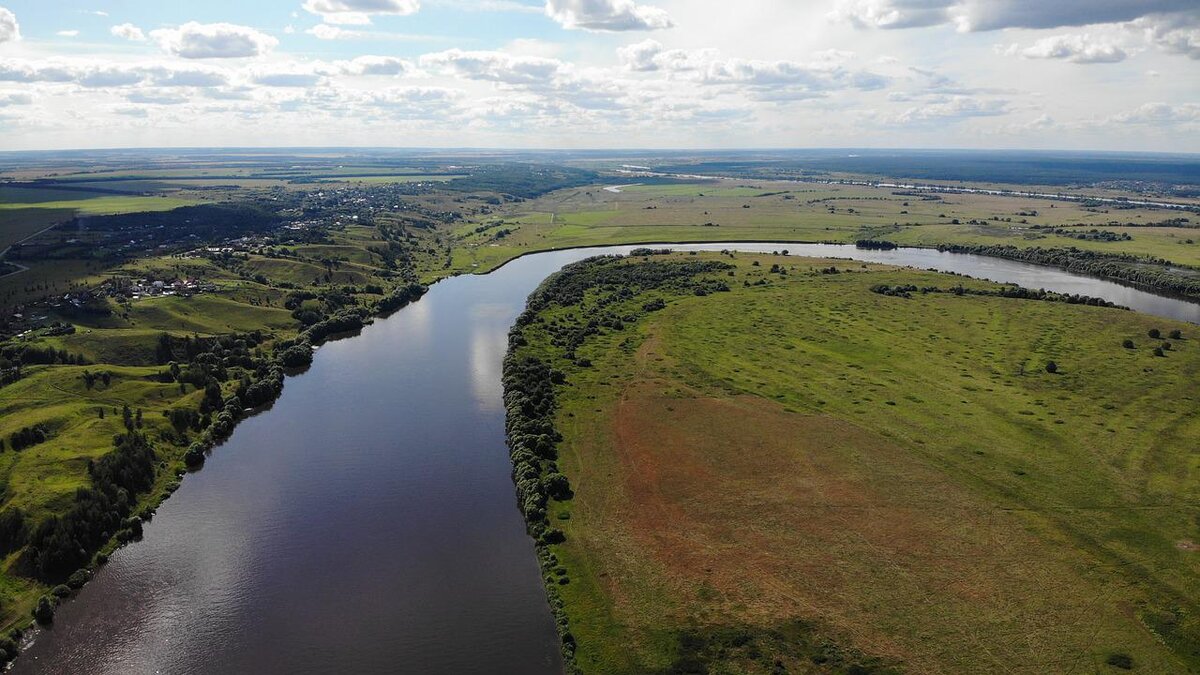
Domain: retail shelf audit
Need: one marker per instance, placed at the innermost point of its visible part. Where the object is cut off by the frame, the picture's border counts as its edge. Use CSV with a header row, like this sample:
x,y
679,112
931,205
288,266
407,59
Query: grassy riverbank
x,y
813,473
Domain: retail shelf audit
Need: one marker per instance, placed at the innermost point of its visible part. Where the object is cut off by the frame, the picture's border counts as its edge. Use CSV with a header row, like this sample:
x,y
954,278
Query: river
x,y
366,522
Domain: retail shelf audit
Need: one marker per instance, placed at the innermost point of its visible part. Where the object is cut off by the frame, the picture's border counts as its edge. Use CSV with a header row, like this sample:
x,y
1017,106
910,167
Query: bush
x,y
1176,334
1051,367
78,578
1128,344
1158,351
44,612
1122,661
1155,333
8,650
61,591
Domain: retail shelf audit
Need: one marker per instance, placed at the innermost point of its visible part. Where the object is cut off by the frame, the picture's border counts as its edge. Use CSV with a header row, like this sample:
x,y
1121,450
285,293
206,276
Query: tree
x,y
1127,344
1155,333
1051,367
1158,351
44,612
1176,334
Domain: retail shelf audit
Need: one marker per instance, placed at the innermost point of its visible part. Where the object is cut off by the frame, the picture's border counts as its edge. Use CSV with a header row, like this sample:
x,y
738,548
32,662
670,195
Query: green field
x,y
765,211
808,470
84,203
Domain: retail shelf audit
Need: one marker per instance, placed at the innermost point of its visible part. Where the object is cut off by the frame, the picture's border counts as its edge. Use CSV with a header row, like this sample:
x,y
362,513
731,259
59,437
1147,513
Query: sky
x,y
1037,74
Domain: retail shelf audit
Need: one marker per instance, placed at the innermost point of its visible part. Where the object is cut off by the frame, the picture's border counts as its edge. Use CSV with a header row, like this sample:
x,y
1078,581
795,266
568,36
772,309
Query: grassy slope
x,y
592,216
42,479
902,473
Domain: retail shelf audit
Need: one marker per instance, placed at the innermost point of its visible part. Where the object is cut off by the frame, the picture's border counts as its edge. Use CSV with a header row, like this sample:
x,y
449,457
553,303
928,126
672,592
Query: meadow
x,y
730,210
811,475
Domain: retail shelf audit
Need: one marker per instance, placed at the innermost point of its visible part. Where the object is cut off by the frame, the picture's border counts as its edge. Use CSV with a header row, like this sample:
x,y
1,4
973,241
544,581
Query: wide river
x,y
367,523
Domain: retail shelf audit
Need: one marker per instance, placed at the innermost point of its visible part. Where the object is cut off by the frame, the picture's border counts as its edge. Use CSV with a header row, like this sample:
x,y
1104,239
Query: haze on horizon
x,y
1095,75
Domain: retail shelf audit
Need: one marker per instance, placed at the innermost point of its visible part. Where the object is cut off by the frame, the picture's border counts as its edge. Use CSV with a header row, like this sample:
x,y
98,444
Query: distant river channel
x,y
366,522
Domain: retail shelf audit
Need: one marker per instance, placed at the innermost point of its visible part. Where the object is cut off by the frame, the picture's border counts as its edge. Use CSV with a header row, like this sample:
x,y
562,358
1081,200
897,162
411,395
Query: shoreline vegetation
x,y
611,339
1153,273
162,381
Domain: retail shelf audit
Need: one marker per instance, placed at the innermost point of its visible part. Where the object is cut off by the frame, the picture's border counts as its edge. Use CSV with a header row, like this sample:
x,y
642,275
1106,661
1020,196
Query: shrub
x,y
1166,346
78,578
8,650
61,591
1158,351
44,612
1119,660
1155,333
1176,334
1051,367
1127,344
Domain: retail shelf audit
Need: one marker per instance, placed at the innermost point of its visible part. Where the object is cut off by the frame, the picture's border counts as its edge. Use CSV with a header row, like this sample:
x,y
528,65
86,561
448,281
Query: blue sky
x,y
1072,74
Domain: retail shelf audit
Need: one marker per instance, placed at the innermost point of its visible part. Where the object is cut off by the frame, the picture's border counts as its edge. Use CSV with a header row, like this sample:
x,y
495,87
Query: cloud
x,y
323,31
8,98
375,65
359,12
893,13
132,111
98,75
213,41
951,109
1076,48
494,66
1160,114
156,98
287,79
985,15
67,33
767,80
9,29
607,15
1177,34
128,31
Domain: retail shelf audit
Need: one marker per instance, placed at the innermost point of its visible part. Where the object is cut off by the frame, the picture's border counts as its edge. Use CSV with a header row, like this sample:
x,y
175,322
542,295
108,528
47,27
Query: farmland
x,y
731,210
806,472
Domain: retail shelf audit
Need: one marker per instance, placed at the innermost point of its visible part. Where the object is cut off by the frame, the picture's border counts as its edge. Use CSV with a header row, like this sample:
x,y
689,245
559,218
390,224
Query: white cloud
x,y
95,74
375,65
8,98
893,13
1176,34
1076,48
128,31
287,79
494,66
1160,114
213,41
9,29
67,33
767,80
359,12
157,98
323,31
607,15
984,15
951,109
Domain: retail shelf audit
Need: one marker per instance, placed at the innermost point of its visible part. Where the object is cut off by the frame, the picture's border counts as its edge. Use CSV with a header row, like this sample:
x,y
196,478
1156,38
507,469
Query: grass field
x,y
84,203
766,211
810,463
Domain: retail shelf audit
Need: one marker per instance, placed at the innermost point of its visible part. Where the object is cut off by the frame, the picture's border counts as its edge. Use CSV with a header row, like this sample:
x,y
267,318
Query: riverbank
x,y
655,417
